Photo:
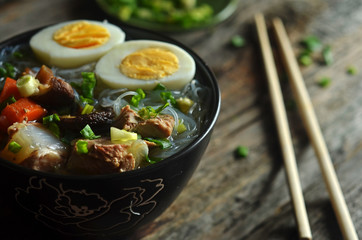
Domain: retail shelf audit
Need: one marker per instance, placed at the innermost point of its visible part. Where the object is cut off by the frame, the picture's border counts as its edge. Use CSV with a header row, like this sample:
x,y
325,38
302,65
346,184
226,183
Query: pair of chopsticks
x,y
312,127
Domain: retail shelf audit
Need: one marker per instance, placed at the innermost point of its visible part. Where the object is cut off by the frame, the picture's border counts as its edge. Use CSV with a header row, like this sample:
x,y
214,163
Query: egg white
x,y
107,68
53,54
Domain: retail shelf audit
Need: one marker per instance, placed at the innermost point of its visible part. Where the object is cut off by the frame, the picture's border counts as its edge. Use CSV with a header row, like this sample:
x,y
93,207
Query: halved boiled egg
x,y
145,63
75,43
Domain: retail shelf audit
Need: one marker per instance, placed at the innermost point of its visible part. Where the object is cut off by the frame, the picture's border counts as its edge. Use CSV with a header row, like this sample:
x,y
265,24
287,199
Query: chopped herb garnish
x,y
162,143
7,70
149,112
138,97
82,147
87,109
18,54
352,70
51,123
181,128
305,59
86,100
238,41
6,102
153,160
88,84
327,55
88,133
324,82
160,86
242,151
312,43
14,147
168,97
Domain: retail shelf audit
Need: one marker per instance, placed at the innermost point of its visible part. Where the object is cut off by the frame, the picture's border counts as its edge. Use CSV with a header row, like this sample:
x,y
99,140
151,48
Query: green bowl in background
x,y
204,14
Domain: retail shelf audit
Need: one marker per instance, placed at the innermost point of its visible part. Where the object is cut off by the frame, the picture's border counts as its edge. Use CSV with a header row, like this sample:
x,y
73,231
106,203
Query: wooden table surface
x,y
229,198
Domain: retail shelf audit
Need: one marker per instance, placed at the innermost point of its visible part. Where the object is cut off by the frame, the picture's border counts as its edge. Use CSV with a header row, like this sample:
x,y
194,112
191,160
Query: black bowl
x,y
103,206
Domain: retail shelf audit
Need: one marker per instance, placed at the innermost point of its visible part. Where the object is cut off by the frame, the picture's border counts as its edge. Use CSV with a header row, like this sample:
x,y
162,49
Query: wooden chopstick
x,y
311,123
283,131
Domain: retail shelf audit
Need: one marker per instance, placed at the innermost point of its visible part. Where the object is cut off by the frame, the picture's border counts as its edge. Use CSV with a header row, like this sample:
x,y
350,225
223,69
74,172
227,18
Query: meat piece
x,y
39,148
127,119
54,92
98,121
106,157
160,126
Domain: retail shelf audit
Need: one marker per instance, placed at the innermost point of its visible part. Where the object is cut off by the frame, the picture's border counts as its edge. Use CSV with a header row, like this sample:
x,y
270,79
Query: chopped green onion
x,y
18,54
238,41
181,128
352,70
242,151
312,43
149,112
86,100
88,84
327,55
138,97
184,104
153,160
324,82
6,102
14,147
27,85
82,147
51,118
88,133
3,72
51,123
87,109
162,143
10,69
168,97
305,59
159,86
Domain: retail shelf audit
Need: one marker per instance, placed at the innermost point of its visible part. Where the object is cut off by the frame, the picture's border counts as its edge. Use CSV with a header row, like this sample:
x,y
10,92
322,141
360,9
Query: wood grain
x,y
229,198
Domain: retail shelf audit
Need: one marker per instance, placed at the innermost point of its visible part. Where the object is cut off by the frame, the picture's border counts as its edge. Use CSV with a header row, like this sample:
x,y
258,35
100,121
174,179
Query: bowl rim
x,y
216,100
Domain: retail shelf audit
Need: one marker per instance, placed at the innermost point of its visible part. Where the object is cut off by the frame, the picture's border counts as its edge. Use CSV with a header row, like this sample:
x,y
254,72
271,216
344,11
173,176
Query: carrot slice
x,y
9,89
23,109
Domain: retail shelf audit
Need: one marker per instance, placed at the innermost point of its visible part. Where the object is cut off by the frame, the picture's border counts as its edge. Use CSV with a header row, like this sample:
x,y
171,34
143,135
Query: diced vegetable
x,y
88,84
238,41
28,85
352,70
312,43
184,104
14,147
138,97
51,123
82,147
88,133
168,97
242,151
9,89
7,70
87,109
121,135
8,101
327,55
181,127
324,82
162,143
23,109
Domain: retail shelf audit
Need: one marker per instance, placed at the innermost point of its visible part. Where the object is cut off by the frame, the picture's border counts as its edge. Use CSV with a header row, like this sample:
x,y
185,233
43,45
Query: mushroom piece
x,y
53,92
99,121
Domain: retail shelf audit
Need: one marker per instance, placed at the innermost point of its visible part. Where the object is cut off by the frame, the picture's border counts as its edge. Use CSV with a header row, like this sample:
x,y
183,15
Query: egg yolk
x,y
81,35
149,63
